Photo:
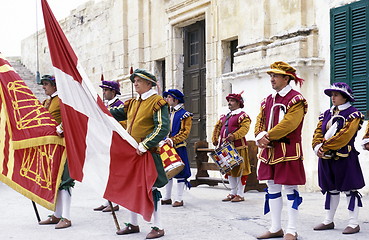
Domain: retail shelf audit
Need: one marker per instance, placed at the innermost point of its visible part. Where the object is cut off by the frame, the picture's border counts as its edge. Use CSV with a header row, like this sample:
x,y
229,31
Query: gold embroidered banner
x,y
32,156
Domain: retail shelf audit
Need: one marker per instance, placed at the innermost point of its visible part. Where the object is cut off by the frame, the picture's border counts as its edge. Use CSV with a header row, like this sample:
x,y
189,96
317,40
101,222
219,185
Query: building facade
x,y
209,48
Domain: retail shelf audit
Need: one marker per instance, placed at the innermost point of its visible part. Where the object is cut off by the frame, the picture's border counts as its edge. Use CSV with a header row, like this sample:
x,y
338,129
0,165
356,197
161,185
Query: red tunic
x,y
285,157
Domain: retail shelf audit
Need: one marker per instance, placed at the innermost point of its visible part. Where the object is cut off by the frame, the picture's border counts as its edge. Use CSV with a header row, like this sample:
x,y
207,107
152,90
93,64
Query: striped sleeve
x,y
161,128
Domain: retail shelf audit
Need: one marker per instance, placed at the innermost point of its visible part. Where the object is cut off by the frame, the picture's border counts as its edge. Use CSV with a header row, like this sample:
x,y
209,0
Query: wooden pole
x,y
114,216
36,211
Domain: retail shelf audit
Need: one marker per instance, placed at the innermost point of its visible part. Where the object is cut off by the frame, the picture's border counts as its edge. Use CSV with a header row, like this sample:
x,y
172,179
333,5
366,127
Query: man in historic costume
x,y
278,135
339,168
148,122
61,216
111,90
233,128
181,123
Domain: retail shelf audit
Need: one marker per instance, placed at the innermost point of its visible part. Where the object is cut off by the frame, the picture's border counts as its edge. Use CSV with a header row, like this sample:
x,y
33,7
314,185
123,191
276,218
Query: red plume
x,y
131,70
298,80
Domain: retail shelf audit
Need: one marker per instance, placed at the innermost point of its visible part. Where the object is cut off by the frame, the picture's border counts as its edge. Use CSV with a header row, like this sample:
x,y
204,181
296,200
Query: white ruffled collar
x,y
283,92
147,94
235,112
341,107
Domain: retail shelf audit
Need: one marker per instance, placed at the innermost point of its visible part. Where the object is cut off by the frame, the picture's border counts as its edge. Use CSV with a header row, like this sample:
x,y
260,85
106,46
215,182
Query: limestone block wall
x,y
95,32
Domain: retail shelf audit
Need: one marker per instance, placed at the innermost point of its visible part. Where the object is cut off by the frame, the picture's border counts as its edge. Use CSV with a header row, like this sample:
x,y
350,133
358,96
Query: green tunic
x,y
148,123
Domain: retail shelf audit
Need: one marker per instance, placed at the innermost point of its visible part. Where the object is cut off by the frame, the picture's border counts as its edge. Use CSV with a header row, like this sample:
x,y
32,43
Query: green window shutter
x,y
349,50
339,45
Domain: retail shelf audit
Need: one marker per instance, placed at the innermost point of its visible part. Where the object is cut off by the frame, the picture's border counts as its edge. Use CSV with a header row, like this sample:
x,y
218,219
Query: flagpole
x,y
38,78
130,73
36,211
114,216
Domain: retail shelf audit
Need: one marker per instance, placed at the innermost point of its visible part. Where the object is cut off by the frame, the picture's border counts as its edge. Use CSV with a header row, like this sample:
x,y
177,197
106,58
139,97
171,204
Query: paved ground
x,y
204,216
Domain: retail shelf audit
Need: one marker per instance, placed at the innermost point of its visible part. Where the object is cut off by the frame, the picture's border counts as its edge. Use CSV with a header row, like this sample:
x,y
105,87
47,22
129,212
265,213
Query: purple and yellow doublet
x,y
339,169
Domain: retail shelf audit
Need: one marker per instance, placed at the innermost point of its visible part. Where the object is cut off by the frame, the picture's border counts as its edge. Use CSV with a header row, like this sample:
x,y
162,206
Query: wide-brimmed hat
x,y
111,85
342,88
285,69
176,94
49,78
144,75
236,97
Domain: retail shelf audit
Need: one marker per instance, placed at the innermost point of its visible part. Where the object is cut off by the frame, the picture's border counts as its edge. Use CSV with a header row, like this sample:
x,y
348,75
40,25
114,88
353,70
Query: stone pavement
x,y
203,216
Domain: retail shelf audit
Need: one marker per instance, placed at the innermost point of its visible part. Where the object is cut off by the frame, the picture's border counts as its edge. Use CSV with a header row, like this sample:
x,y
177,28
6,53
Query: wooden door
x,y
194,85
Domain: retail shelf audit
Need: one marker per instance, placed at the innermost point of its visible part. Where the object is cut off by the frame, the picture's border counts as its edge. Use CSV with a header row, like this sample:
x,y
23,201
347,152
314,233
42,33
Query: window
x,y
160,73
229,49
349,50
234,45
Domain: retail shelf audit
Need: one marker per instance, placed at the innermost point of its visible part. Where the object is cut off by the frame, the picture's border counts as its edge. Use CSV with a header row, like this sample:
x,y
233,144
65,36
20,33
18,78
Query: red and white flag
x,y
99,150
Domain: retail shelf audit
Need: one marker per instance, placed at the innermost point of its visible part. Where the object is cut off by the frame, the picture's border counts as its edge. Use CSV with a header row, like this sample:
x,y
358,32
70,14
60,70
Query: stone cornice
x,y
185,4
295,35
300,63
188,6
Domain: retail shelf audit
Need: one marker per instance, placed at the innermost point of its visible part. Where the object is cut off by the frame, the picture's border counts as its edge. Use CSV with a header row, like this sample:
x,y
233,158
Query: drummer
x,y
278,135
181,123
233,128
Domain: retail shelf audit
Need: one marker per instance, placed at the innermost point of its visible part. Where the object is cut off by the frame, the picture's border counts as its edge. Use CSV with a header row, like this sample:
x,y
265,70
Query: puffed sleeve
x,y
184,132
289,123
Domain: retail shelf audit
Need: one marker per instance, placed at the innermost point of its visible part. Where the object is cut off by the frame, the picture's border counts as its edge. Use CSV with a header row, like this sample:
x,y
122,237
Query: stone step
x,y
28,77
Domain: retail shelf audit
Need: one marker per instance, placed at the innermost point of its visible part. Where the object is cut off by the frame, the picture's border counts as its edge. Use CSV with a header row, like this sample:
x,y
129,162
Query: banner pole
x,y
36,211
114,216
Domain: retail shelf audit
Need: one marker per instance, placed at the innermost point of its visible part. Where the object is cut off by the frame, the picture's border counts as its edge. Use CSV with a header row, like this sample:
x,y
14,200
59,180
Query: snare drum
x,y
172,163
226,157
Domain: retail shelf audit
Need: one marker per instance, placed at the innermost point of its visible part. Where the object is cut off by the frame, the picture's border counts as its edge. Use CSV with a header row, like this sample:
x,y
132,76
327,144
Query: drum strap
x,y
226,124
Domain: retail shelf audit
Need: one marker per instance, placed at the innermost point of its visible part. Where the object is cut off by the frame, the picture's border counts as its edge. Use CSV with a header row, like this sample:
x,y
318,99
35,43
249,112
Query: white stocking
x,y
168,190
157,216
66,201
292,213
180,190
59,206
275,206
353,215
133,218
335,200
233,184
239,187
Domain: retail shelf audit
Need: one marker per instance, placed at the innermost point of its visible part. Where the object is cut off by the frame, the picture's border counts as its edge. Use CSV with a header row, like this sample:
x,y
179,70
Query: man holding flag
x,y
148,122
61,216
